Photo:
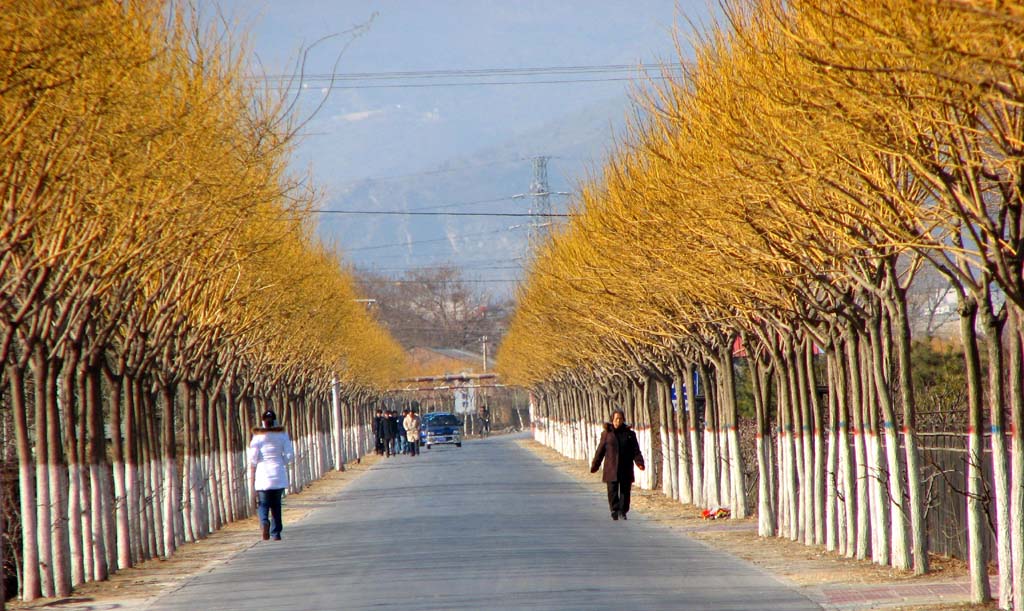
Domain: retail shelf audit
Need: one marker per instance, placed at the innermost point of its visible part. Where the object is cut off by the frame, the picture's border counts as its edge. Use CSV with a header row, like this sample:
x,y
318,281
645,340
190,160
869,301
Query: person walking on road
x,y
390,424
485,420
378,433
619,450
412,432
270,451
401,446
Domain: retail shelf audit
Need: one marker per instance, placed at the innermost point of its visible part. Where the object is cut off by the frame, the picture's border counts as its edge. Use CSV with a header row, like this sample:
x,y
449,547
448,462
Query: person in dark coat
x,y
378,432
390,432
400,444
619,450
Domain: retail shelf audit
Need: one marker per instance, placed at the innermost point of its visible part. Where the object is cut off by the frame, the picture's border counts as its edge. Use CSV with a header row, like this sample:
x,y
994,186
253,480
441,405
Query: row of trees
x,y
783,194
159,288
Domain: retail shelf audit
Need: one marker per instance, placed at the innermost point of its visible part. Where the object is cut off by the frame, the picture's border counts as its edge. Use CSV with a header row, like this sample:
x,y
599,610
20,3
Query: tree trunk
x,y
683,434
831,466
101,534
857,410
118,451
1015,364
918,534
977,555
1000,488
818,476
739,491
44,502
711,452
696,470
807,427
31,577
67,399
847,535
765,509
171,499
337,426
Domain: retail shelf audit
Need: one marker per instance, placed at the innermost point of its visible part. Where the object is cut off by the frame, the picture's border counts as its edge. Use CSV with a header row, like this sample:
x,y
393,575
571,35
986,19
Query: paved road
x,y
485,526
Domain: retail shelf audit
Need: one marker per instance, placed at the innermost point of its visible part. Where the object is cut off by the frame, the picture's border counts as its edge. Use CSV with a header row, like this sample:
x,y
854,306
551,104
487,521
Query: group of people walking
x,y
396,435
271,450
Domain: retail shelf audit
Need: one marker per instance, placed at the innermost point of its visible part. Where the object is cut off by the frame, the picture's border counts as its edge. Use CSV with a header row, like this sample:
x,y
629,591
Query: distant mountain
x,y
488,248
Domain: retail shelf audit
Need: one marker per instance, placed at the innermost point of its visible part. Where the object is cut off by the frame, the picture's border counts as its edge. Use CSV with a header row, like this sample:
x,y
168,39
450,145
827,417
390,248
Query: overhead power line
x,y
473,280
492,200
428,241
419,268
335,86
464,168
405,213
470,77
471,72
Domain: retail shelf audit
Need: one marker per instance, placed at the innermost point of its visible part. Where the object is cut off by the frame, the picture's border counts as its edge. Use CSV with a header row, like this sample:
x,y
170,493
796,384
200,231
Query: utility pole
x,y
483,340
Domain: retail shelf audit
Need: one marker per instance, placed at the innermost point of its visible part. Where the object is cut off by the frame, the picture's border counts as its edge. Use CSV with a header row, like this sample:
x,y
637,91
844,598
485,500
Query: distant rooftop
x,y
442,361
455,353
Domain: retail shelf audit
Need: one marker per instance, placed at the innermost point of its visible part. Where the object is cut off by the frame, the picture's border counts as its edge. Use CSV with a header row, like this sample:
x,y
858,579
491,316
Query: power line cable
x,y
471,72
335,87
371,267
459,204
404,213
476,280
428,268
433,240
431,172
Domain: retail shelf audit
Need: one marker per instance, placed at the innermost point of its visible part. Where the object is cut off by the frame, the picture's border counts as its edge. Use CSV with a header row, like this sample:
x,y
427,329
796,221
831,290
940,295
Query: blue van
x,y
440,428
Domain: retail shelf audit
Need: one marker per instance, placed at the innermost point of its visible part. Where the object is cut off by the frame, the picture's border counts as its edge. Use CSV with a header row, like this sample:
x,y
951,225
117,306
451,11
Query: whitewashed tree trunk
x,y
711,498
879,499
44,540
76,522
860,456
847,534
738,493
337,426
1015,363
804,447
31,582
1000,476
901,337
103,536
765,507
724,470
696,468
684,485
831,499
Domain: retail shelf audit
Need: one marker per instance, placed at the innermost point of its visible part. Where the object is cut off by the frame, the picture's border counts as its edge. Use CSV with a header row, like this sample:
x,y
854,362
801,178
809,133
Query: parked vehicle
x,y
441,428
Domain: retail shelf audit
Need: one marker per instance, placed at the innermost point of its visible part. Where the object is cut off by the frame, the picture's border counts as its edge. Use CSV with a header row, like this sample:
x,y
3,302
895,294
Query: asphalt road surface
x,y
484,526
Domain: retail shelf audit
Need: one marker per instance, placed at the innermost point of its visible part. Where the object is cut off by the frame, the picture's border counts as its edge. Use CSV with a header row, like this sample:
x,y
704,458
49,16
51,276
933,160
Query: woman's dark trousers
x,y
270,502
618,497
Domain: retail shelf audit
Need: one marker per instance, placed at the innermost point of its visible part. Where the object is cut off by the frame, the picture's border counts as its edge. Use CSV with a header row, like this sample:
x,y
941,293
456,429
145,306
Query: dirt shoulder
x,y
825,577
133,588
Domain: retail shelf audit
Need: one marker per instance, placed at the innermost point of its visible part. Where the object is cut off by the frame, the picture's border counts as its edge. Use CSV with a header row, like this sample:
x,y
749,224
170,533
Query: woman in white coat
x,y
412,432
270,451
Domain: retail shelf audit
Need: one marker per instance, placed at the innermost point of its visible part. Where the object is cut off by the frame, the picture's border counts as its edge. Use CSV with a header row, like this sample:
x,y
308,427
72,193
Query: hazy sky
x,y
382,126
363,124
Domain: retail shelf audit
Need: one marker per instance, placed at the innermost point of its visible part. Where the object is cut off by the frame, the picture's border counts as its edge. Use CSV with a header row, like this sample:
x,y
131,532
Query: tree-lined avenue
x,y
485,526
